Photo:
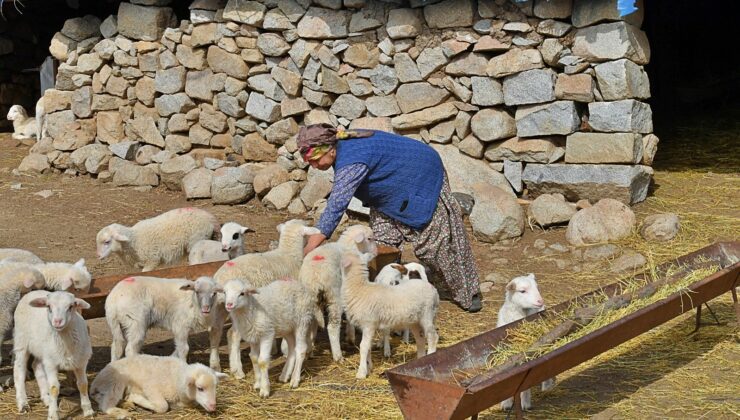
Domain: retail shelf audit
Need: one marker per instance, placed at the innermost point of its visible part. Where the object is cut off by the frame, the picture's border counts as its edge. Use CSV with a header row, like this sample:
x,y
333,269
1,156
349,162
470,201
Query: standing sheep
x,y
19,255
321,272
522,299
49,328
258,269
284,308
230,246
163,239
373,306
155,383
136,304
12,284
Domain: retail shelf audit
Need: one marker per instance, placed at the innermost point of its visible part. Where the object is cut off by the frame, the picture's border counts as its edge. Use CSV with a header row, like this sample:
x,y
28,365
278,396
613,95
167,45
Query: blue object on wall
x,y
626,7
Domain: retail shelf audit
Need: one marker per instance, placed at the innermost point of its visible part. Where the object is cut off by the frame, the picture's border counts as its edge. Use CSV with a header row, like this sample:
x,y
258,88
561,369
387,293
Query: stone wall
x,y
536,96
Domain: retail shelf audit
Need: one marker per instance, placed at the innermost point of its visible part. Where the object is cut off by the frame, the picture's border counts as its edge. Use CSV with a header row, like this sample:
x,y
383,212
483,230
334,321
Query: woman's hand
x,y
313,241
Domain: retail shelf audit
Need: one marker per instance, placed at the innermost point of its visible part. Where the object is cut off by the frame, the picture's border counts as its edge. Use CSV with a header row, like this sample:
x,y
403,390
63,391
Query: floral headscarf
x,y
316,140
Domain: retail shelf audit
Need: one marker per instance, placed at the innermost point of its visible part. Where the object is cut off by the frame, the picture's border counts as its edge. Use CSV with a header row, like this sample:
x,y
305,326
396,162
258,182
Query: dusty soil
x,y
63,228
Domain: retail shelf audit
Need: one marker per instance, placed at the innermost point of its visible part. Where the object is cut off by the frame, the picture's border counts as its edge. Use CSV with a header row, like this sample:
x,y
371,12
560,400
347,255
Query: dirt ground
x,y
702,185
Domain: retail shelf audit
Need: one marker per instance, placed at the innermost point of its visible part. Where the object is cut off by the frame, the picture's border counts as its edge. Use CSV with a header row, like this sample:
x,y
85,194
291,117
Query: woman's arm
x,y
346,182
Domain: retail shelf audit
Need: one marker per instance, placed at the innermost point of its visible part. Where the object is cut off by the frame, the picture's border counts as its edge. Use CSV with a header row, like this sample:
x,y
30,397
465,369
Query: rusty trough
x,y
424,388
101,286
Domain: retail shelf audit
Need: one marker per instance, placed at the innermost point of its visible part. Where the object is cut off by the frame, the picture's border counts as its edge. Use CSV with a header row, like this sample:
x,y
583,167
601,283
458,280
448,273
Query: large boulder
x,y
625,183
142,22
660,227
588,12
34,163
622,79
415,96
268,178
249,12
496,215
530,87
450,14
559,117
129,174
232,185
625,116
197,184
608,220
603,148
544,150
174,170
612,41
322,23
318,186
280,197
463,172
493,124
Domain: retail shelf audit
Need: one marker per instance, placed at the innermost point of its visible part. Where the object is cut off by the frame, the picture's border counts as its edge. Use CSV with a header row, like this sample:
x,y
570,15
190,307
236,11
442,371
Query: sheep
x,y
284,308
163,239
393,275
258,269
321,272
12,284
48,327
58,275
136,304
19,255
373,306
522,299
155,383
24,127
230,246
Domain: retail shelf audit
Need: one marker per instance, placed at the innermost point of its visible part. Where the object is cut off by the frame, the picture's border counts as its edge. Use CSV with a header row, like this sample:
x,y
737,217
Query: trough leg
x,y
698,319
736,304
518,413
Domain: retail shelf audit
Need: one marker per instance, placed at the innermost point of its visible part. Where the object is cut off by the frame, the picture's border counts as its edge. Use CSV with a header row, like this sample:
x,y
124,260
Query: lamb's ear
x,y
120,237
188,286
346,261
28,282
359,237
66,283
81,304
400,268
511,287
246,229
531,276
220,375
39,302
310,230
80,263
252,291
218,289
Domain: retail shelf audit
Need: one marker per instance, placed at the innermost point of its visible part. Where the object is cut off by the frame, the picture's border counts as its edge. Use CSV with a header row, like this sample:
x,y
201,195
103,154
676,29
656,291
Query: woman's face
x,y
324,162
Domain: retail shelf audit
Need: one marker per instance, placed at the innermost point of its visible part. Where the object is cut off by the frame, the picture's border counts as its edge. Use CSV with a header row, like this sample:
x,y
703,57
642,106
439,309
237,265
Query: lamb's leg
x,y
181,344
290,360
135,334
264,364
152,402
254,354
430,333
300,355
116,347
365,359
51,376
40,375
507,404
387,343
406,338
19,379
81,377
234,340
548,384
526,397
333,327
421,342
214,336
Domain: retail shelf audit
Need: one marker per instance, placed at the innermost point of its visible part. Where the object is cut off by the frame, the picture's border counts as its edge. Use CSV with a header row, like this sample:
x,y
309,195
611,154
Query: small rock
x,y
629,261
660,227
540,243
607,220
550,209
560,263
583,204
45,193
486,286
16,186
496,215
600,252
496,279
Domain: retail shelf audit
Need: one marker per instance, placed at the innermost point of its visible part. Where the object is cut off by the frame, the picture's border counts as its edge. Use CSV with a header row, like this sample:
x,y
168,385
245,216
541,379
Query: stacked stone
x,y
545,95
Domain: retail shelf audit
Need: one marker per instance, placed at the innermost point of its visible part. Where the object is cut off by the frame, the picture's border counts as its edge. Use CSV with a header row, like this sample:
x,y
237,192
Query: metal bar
x,y
419,376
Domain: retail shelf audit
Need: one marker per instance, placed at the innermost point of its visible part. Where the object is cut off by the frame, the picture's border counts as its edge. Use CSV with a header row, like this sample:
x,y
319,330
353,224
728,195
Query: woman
x,y
405,185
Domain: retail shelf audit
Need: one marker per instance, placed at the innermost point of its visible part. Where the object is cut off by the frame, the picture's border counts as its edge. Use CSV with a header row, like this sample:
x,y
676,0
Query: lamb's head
x,y
17,113
62,307
205,291
522,291
232,236
235,294
109,239
292,230
75,277
362,238
415,271
352,261
391,275
201,382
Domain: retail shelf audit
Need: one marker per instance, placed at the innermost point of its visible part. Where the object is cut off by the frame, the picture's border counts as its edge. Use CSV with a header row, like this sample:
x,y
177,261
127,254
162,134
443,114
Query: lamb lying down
x,y
522,299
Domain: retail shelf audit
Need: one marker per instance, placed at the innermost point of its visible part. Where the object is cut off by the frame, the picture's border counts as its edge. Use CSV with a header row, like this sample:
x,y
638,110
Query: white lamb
x,y
258,269
230,246
163,239
136,304
12,284
373,307
522,299
24,127
58,275
321,272
155,383
284,308
393,275
49,327
19,255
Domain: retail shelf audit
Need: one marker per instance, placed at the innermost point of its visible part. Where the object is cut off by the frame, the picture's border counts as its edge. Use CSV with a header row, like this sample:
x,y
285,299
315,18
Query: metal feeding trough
x,y
426,388
101,286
